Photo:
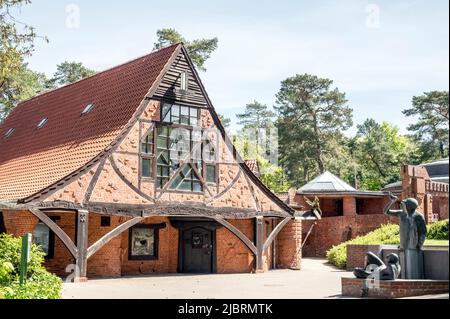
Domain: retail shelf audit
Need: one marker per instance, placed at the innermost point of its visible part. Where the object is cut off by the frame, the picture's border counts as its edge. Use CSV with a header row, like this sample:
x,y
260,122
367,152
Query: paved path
x,y
316,280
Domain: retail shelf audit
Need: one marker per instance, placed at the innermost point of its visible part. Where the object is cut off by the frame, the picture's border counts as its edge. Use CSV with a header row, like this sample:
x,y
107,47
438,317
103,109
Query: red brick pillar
x,y
349,206
414,179
290,245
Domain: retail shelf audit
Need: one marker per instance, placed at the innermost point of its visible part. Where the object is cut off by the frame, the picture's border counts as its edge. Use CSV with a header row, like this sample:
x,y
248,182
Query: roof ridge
x,y
98,73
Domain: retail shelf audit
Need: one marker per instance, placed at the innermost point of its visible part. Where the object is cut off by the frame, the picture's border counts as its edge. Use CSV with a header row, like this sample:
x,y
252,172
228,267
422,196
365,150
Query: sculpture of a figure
x,y
413,232
375,265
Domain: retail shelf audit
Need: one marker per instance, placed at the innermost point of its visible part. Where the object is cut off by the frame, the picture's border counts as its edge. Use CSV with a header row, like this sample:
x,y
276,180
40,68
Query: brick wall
x,y
167,261
332,231
289,242
356,255
233,256
19,223
353,287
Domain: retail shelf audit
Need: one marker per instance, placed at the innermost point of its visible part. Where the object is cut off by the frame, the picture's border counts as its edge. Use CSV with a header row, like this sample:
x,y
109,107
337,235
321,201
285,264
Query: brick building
x,y
345,212
130,171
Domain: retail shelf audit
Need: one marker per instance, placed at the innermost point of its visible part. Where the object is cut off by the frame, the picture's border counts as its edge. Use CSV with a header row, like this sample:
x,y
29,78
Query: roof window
x,y
87,109
42,123
9,132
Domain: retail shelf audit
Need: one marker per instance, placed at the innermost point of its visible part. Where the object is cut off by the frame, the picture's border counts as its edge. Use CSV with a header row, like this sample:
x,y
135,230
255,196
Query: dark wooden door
x,y
197,250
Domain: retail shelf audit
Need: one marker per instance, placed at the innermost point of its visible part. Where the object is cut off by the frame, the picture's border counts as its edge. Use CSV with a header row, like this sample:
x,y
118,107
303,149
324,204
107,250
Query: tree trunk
x,y
319,159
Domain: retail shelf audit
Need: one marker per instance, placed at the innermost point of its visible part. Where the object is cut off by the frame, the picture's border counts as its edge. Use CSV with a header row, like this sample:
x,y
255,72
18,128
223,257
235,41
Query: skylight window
x,y
42,123
87,109
9,132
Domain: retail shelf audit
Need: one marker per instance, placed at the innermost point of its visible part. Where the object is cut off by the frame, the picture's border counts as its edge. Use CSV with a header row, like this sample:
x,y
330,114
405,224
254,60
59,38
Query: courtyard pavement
x,y
317,279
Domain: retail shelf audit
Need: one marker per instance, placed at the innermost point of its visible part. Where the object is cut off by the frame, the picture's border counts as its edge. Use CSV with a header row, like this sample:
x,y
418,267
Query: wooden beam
x,y
237,233
259,223
234,181
275,233
67,241
93,183
82,243
111,235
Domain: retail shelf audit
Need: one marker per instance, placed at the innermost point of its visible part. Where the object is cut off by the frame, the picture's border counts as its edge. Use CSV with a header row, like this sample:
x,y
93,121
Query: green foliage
x,y
438,230
40,284
226,122
199,50
387,234
312,116
273,177
380,151
431,128
23,85
69,72
256,116
16,42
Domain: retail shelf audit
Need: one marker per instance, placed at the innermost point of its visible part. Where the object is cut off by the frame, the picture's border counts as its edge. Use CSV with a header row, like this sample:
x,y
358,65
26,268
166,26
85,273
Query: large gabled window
x,y
179,150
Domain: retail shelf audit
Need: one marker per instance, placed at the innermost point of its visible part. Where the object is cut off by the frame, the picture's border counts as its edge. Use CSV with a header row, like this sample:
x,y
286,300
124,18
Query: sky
x,y
380,53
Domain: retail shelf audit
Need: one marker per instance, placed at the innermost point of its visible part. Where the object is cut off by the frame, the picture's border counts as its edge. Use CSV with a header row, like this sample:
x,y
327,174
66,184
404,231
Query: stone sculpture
x,y
413,231
375,266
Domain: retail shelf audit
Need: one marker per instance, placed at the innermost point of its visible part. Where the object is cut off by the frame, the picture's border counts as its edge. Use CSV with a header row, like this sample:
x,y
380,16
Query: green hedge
x,y
438,230
387,234
40,283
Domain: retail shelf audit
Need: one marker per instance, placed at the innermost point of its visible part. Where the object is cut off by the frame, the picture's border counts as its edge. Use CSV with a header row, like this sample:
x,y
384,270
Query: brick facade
x,y
332,231
112,260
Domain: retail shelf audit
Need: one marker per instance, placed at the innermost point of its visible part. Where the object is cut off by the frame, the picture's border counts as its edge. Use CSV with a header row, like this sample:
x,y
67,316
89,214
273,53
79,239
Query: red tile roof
x,y
32,159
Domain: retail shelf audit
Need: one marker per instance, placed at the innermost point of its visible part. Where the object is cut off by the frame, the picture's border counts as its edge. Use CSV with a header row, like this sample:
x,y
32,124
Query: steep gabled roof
x,y
32,159
326,182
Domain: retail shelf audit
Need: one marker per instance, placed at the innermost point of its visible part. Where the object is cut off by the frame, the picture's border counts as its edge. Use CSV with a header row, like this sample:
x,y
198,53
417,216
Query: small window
x,y
42,123
146,167
147,143
9,132
184,81
45,238
143,242
211,173
87,109
105,221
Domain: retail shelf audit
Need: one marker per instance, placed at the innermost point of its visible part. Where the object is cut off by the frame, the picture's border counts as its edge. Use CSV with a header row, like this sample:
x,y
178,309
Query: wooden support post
x,y
259,244
82,245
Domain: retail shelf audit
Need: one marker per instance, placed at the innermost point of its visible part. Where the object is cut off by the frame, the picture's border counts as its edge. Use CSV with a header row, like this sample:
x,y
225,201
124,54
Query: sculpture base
x,y
389,289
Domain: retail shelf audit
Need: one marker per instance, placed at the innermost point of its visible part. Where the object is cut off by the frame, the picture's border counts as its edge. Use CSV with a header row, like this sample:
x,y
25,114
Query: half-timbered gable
x,y
140,155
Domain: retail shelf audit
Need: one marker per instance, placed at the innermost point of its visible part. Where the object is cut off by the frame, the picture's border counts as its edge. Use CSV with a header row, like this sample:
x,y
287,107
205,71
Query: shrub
x,y
438,230
40,283
387,234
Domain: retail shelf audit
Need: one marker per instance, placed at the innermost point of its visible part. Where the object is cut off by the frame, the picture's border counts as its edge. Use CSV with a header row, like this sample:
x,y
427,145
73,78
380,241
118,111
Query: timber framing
x,y
172,209
149,202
